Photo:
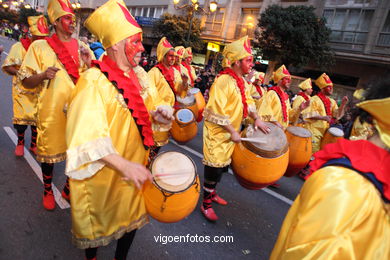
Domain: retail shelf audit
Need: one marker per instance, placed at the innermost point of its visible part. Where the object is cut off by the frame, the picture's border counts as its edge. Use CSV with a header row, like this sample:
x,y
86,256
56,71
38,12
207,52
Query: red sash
x,y
258,88
283,98
326,101
303,94
26,42
168,75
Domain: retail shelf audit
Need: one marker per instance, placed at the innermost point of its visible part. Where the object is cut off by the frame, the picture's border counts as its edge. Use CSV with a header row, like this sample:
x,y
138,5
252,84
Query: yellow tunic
x,y
24,100
361,131
318,127
337,215
180,91
104,206
298,101
52,102
167,97
271,110
256,96
224,107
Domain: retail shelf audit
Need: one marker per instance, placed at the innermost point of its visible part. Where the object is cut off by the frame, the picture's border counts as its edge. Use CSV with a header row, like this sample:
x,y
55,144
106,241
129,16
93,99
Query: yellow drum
x,y
174,193
331,136
262,160
200,102
188,102
299,140
184,127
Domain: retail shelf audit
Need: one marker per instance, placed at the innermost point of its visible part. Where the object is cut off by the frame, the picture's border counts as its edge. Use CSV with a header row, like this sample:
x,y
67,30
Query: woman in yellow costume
x,y
109,132
342,211
24,100
229,104
323,111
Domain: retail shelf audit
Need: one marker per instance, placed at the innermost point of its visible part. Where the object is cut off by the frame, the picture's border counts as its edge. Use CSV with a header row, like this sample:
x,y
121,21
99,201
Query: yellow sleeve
x,y
267,108
293,113
334,107
15,56
314,108
83,66
331,218
165,92
31,63
87,130
297,102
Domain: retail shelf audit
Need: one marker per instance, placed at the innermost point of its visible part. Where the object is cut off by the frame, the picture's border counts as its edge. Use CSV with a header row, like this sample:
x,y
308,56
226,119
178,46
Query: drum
x,y
174,193
299,140
188,102
331,136
184,127
257,165
200,102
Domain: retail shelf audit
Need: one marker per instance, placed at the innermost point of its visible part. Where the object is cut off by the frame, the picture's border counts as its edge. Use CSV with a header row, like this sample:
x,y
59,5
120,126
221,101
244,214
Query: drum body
x,y
257,165
188,102
174,193
299,140
331,136
184,127
200,102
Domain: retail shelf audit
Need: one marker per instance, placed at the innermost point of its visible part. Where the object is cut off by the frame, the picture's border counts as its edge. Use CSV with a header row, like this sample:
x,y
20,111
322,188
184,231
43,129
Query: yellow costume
x,y
361,131
104,207
180,70
254,91
188,53
225,107
304,85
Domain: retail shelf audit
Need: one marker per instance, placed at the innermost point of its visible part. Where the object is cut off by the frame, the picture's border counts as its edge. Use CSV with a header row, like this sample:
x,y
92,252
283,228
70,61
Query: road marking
x,y
266,190
62,203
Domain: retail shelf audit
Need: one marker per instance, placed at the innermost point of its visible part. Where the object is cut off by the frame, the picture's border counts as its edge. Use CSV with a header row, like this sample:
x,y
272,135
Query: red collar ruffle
x,y
26,42
304,95
168,74
283,98
258,89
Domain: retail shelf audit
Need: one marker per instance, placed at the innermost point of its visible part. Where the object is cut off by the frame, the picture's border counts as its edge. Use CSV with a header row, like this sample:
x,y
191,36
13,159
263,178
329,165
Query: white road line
x,y
63,204
266,190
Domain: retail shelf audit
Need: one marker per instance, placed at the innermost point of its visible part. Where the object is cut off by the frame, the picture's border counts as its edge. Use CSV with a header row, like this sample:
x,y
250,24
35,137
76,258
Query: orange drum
x,y
188,102
262,160
331,136
200,102
299,140
184,127
174,193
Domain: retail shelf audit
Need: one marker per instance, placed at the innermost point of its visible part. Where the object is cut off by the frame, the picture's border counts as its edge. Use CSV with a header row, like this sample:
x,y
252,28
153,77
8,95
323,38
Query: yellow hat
x,y
323,81
38,25
112,23
306,84
379,110
179,51
162,48
237,50
280,73
359,94
58,8
260,76
187,53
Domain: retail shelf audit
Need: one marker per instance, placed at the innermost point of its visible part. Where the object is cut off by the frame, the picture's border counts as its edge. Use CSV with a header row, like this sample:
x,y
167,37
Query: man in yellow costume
x,y
24,100
323,111
342,211
109,131
304,95
229,104
180,72
190,71
258,91
53,65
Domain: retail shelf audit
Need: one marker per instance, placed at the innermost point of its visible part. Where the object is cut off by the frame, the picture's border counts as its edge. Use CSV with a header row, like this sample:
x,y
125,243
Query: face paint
x,y
169,59
134,49
247,64
68,23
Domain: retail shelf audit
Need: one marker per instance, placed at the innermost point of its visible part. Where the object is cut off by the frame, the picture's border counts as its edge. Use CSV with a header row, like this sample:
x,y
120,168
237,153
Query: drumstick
x,y
254,140
172,173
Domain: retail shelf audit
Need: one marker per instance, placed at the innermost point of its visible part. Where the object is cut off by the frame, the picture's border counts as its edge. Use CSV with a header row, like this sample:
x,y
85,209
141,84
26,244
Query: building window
x,y
248,22
349,25
214,21
384,36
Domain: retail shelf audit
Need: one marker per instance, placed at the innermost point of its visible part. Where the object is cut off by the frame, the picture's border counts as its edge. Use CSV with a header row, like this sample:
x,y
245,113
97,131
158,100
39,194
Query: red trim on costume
x,y
128,16
259,90
373,160
241,85
168,74
64,56
66,6
283,97
42,26
130,88
326,101
188,67
26,42
304,95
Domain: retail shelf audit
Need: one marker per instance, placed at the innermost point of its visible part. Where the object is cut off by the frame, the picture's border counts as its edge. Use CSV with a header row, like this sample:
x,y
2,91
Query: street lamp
x,y
194,7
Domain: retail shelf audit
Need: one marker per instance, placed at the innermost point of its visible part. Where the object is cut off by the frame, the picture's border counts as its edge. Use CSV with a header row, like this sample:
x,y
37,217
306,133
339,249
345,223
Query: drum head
x,y
176,171
186,101
193,91
275,143
299,131
184,115
336,131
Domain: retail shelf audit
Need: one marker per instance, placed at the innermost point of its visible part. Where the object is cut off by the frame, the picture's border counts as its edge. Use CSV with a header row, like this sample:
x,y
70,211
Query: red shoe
x,y
217,199
65,196
209,214
48,201
33,150
19,150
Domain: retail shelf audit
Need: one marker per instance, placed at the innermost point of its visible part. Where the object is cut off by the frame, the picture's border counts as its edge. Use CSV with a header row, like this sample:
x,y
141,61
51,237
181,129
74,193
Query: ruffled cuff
x,y
11,62
25,72
215,118
83,161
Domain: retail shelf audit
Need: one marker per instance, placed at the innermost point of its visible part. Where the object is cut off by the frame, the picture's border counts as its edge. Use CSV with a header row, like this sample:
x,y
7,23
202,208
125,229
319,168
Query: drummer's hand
x,y
345,100
327,118
162,116
137,173
277,124
235,137
259,124
304,105
184,77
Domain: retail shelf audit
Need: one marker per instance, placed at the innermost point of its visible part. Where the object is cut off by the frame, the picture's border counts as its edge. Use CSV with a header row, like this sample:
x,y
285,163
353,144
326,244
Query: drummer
x,y
323,111
305,94
224,112
190,71
258,91
180,71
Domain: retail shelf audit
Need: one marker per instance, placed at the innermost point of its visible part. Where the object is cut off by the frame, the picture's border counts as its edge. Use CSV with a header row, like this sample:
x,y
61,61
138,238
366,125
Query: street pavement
x,y
251,221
